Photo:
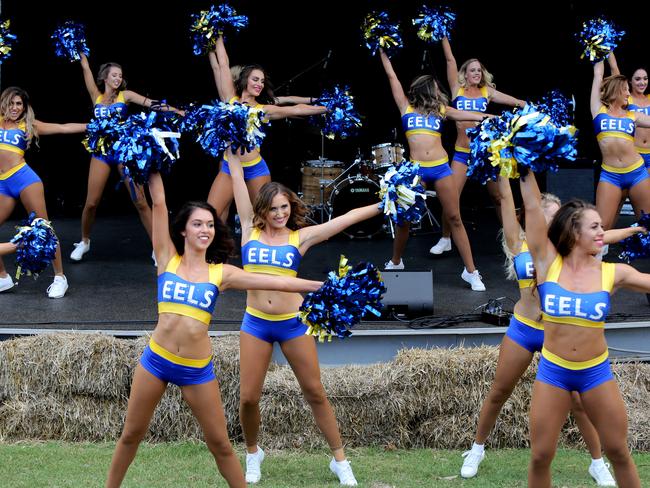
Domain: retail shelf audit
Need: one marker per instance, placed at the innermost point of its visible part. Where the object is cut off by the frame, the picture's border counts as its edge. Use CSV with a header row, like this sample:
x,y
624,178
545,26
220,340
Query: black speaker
x,y
408,293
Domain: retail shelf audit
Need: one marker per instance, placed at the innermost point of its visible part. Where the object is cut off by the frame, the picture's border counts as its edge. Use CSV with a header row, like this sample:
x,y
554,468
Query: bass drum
x,y
353,192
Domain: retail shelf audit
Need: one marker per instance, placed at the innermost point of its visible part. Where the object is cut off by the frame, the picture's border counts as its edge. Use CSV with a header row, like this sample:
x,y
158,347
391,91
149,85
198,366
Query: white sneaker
x,y
343,470
58,287
6,283
443,245
391,265
80,248
153,258
470,465
254,465
601,475
473,279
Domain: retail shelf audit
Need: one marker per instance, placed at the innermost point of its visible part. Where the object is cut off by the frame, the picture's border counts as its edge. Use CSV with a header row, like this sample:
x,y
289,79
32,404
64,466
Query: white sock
x,y
340,463
478,448
597,462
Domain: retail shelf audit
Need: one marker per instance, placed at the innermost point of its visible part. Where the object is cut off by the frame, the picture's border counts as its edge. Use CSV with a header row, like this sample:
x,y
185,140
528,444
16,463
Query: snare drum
x,y
353,192
317,171
387,154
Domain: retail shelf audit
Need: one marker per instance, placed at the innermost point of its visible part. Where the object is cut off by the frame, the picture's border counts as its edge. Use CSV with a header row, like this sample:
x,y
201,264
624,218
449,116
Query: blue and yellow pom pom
x,y
208,25
7,40
402,194
36,245
598,38
379,32
70,41
341,118
435,23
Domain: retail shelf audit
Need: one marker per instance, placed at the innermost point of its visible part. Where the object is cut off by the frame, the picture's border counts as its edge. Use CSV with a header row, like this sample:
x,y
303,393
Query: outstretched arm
x,y
239,279
452,66
594,101
642,120
7,248
628,277
395,86
314,234
163,246
464,115
536,229
133,97
613,236
89,79
498,97
242,197
275,112
511,227
46,129
291,100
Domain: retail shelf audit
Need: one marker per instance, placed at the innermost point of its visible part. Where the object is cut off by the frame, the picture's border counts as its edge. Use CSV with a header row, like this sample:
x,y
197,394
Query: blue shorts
x,y
645,155
575,377
252,169
109,160
461,155
16,180
279,329
170,368
432,171
631,176
525,335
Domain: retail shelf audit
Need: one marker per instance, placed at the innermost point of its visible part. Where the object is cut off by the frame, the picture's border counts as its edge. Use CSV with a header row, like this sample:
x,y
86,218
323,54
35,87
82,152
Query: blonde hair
x,y
426,97
27,117
611,88
486,76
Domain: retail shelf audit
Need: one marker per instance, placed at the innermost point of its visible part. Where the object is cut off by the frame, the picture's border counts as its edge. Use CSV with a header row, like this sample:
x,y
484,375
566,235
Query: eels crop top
x,y
562,306
196,300
415,123
606,125
14,140
118,107
524,269
637,108
480,104
284,260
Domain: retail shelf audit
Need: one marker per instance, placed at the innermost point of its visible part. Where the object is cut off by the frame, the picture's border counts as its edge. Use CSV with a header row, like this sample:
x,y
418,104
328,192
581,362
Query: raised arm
x,y
242,197
452,66
395,86
314,234
46,129
163,246
613,64
594,101
511,227
498,97
225,84
536,228
89,79
239,279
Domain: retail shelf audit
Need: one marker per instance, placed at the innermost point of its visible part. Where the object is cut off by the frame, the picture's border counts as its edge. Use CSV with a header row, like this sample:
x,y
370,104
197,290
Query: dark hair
x,y
426,97
103,73
565,226
264,200
640,68
220,248
266,97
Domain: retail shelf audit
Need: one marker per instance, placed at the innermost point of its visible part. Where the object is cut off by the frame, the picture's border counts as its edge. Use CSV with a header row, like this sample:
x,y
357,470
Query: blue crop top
x,y
606,125
258,257
415,123
118,107
562,306
524,269
14,140
182,297
637,108
480,104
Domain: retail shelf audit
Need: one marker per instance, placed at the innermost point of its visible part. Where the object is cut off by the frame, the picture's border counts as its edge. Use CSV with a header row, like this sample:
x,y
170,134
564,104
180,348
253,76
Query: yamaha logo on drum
x,y
359,190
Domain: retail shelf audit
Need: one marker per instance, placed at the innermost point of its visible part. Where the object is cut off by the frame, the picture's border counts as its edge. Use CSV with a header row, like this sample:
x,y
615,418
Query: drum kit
x,y
330,189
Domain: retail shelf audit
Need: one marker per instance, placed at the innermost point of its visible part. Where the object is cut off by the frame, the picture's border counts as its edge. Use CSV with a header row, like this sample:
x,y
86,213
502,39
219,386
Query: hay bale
x,y
634,382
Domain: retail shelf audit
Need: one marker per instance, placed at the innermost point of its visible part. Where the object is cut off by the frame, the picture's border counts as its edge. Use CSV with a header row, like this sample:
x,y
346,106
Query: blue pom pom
x,y
36,245
638,245
435,23
342,118
343,300
225,124
379,32
598,38
7,40
208,25
558,107
70,41
102,133
148,142
402,194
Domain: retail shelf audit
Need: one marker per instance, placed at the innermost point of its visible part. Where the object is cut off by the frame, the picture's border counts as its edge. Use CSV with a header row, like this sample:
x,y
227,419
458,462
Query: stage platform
x,y
114,288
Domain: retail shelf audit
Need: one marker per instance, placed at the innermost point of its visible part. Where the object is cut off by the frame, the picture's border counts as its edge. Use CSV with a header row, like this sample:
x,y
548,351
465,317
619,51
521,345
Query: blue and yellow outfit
x,y
252,169
414,123
643,151
16,179
195,300
562,306
477,105
525,332
606,125
258,257
117,108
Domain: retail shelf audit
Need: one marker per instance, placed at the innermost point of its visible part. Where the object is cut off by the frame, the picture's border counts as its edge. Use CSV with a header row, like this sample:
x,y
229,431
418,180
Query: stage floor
x,y
114,287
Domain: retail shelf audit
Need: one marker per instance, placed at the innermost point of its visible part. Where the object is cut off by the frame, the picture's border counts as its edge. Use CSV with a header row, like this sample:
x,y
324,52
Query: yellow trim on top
x,y
185,311
411,110
608,272
574,365
173,263
529,322
573,321
216,274
617,135
461,149
554,269
12,148
272,270
294,239
429,132
119,99
169,356
12,171
255,234
627,169
526,283
643,150
524,247
272,317
431,164
485,92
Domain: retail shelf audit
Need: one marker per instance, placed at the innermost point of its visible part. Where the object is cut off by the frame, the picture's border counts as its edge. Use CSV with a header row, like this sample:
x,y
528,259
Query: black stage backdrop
x,y
528,46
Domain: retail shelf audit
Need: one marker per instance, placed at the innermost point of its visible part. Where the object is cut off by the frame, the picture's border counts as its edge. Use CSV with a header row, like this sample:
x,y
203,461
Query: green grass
x,y
54,464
